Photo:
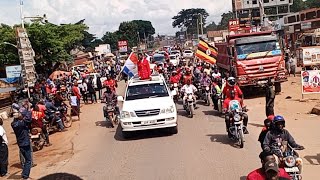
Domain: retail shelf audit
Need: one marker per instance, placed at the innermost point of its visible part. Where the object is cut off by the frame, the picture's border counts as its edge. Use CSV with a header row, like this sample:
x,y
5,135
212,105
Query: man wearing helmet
x,y
227,116
188,88
231,85
175,78
187,77
275,138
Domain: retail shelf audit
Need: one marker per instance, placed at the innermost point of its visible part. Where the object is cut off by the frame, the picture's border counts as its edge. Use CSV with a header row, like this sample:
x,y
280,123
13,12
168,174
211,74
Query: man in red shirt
x,y
37,118
76,92
269,169
175,78
231,85
188,76
144,71
111,83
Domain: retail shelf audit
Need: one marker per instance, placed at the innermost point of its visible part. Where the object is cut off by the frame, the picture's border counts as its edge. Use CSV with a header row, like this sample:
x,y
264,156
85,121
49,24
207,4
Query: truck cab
x,y
252,58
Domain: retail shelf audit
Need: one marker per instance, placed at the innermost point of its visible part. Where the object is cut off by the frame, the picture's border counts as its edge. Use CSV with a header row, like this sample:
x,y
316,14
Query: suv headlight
x,y
125,114
167,110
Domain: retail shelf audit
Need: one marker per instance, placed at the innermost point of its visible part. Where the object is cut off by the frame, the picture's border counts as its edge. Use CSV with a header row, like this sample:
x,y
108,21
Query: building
x,y
248,11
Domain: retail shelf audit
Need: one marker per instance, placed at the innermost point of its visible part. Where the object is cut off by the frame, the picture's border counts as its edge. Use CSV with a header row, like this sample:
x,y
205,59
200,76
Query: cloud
x,y
106,15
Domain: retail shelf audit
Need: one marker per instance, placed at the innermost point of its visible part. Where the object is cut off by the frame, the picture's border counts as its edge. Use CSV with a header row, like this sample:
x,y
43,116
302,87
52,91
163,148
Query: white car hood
x,y
148,103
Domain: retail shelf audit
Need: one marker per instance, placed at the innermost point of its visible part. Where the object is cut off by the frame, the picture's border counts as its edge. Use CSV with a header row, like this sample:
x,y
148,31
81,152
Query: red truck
x,y
252,58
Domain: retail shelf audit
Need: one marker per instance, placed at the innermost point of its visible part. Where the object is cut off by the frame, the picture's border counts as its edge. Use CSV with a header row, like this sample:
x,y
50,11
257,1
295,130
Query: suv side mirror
x,y
120,99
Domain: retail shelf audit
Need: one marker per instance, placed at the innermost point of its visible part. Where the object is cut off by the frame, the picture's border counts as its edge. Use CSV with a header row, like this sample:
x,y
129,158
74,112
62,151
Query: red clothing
x,y
144,71
186,78
175,79
227,89
76,92
258,174
37,117
227,101
112,84
42,108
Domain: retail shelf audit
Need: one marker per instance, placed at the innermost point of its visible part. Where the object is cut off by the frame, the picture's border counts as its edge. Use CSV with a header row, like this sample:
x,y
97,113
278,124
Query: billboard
x,y
13,71
310,81
234,25
123,46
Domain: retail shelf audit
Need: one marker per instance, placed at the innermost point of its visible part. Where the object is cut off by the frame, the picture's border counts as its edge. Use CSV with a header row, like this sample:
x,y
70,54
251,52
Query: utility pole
x,y
262,15
198,28
21,14
201,24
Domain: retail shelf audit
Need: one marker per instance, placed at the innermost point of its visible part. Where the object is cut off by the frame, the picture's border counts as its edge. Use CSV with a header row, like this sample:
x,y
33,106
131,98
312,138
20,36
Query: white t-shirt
x,y
4,135
73,101
189,89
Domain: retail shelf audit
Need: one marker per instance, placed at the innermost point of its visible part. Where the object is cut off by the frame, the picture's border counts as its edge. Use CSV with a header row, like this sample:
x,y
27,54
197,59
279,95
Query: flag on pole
x,y
130,66
207,52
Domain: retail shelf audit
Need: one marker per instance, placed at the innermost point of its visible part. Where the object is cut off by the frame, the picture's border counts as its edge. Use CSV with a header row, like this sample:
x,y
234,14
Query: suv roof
x,y
155,78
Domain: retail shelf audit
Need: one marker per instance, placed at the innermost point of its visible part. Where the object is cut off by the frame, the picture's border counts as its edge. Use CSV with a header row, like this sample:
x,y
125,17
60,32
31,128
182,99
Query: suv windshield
x,y
267,46
146,91
158,58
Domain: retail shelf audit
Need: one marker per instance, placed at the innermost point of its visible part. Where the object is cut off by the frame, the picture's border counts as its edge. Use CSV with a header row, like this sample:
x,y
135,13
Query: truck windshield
x,y
146,91
255,49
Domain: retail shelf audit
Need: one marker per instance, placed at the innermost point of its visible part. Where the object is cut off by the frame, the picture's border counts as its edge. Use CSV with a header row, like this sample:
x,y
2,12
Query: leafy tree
x,y
145,28
225,17
298,5
8,53
112,39
212,26
313,3
188,18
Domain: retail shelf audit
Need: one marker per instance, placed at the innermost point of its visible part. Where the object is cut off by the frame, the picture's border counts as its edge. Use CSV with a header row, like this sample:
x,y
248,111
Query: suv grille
x,y
150,112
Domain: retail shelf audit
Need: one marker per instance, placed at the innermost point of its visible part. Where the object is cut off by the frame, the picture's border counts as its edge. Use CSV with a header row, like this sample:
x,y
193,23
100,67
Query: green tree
x,y
145,28
112,39
298,5
212,26
8,53
224,23
188,18
313,3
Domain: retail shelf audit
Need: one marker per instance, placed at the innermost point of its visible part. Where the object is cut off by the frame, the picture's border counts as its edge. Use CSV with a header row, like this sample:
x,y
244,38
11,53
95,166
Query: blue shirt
x,y
21,129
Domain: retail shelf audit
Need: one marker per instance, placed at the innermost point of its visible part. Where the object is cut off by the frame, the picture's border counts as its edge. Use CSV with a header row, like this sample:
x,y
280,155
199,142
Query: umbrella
x,y
110,55
57,74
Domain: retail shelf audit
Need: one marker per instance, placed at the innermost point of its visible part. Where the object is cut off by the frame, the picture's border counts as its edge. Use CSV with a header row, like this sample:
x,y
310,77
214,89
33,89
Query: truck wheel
x,y
277,87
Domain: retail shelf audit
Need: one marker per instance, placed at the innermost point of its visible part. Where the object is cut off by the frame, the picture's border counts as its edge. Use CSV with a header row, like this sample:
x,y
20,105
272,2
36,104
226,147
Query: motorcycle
x,y
236,116
59,115
175,87
109,112
289,159
37,138
206,95
189,105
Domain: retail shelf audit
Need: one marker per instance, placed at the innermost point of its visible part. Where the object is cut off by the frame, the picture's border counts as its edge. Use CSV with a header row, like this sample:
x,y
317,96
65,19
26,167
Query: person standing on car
x,y
3,151
270,96
20,126
143,67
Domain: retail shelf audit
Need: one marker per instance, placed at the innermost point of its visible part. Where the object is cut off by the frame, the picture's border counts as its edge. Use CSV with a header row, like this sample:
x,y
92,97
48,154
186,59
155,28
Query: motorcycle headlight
x,y
207,88
290,161
190,97
237,117
175,85
109,107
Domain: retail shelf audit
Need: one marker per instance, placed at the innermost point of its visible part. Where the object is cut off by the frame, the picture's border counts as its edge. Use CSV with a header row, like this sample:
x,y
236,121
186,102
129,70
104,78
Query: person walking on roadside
x,y
20,126
92,91
76,92
270,96
3,151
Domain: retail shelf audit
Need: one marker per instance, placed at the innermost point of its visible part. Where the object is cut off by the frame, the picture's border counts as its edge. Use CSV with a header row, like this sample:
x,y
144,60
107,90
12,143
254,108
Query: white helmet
x,y
231,81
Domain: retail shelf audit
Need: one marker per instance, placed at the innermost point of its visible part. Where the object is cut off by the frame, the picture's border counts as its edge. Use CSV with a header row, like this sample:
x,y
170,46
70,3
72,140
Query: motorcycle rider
x,y
37,121
277,134
265,130
109,96
227,116
175,78
205,82
188,88
51,109
111,83
187,77
231,85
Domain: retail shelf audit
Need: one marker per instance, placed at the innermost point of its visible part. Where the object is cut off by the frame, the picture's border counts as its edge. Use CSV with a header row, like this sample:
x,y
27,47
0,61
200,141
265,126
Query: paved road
x,y
201,150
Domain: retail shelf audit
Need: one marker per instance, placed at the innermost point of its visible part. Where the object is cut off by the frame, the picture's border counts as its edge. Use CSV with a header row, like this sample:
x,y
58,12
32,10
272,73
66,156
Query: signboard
x,y
234,25
305,25
311,56
123,46
310,81
13,71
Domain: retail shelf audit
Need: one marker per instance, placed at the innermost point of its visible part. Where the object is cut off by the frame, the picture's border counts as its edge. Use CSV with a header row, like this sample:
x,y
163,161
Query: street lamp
x,y
7,43
43,19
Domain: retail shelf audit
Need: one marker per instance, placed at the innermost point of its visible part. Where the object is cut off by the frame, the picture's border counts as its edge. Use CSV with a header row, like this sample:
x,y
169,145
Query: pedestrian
x,y
84,91
74,106
20,126
92,92
292,65
270,96
76,91
99,87
3,151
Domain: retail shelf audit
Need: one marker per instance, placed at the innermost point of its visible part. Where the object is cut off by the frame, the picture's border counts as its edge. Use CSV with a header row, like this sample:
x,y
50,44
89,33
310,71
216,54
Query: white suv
x,y
148,104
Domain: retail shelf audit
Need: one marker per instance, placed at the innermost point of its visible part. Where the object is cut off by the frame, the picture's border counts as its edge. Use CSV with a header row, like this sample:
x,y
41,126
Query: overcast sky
x,y
106,15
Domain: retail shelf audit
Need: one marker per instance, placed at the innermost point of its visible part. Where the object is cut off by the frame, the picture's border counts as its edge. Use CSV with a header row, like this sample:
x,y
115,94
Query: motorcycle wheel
x,y
191,111
208,100
67,122
112,120
36,146
241,138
